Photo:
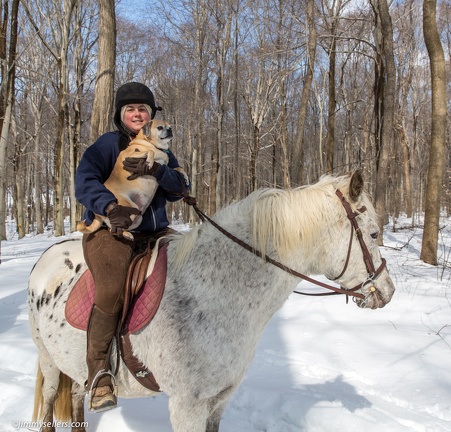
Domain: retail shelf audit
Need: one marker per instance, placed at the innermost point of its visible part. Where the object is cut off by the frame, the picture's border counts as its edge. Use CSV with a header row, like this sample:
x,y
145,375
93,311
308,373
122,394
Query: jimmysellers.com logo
x,y
38,425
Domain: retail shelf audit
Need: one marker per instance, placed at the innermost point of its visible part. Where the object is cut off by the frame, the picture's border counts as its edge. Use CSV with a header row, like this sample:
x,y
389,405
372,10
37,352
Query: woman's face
x,y
136,117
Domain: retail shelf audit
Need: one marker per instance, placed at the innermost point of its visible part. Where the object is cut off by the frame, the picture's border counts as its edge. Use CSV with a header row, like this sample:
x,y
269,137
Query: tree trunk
x,y
254,154
61,136
197,124
37,170
236,194
223,44
19,193
332,103
102,109
297,166
334,13
406,168
74,126
438,133
9,84
385,105
58,209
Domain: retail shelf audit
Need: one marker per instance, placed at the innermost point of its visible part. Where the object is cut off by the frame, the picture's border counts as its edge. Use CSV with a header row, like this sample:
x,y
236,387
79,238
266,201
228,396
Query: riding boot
x,y
101,329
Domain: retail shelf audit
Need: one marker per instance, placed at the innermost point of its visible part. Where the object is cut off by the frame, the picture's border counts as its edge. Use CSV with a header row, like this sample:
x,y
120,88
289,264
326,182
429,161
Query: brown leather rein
x,y
372,272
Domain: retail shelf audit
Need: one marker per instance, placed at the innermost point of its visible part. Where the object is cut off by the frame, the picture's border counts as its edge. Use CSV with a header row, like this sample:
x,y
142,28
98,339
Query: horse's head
x,y
327,228
356,263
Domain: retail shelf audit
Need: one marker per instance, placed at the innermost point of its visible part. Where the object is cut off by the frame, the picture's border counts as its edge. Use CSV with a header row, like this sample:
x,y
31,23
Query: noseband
x,y
372,272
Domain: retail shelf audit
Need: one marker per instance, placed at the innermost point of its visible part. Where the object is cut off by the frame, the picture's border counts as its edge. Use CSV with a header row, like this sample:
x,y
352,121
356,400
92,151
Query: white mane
x,y
283,219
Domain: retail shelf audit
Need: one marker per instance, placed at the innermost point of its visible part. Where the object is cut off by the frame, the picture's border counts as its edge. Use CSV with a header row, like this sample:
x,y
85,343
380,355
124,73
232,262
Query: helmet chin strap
x,y
126,130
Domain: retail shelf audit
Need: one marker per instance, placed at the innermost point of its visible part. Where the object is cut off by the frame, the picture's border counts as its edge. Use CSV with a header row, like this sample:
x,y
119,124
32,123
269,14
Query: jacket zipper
x,y
154,219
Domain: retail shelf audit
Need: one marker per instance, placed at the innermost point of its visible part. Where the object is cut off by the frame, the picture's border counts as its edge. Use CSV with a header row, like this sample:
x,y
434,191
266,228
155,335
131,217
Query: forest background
x,y
261,93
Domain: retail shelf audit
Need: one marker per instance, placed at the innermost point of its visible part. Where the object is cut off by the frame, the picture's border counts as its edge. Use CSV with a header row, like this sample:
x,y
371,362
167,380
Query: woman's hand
x,y
139,167
120,217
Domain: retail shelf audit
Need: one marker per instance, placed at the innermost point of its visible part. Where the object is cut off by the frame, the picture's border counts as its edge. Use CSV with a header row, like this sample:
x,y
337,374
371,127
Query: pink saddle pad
x,y
143,306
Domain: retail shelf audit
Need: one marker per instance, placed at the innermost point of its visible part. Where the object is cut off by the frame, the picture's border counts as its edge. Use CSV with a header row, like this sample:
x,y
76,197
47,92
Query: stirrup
x,y
98,375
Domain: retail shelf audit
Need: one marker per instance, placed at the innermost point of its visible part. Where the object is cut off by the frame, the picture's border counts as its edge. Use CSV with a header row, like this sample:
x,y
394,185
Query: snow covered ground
x,y
322,365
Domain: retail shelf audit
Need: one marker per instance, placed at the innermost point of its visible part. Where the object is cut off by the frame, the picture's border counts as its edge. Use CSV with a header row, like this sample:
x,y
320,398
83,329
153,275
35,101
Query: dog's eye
x,y
160,127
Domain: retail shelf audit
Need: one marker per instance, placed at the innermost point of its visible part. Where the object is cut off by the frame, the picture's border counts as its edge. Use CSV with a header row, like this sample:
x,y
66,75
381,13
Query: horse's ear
x,y
356,185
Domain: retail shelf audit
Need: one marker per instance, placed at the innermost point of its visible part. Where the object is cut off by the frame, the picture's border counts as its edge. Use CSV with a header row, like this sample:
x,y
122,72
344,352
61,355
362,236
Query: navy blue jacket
x,y
96,166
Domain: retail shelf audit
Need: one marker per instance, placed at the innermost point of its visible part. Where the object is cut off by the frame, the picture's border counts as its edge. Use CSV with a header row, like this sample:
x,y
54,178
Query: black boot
x,y
102,393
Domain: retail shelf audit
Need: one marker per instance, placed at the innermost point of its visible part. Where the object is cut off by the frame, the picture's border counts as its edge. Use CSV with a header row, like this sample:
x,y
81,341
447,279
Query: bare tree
x,y
102,109
59,48
438,133
407,54
286,30
334,10
384,103
8,75
297,165
259,95
83,42
262,81
244,115
223,13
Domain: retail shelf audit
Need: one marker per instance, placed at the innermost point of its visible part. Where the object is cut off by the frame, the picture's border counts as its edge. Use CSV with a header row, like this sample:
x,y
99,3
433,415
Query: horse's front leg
x,y
215,418
187,415
219,403
78,412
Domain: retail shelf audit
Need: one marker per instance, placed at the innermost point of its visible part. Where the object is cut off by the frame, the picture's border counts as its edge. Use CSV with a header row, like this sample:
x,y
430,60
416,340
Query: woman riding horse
x,y
106,252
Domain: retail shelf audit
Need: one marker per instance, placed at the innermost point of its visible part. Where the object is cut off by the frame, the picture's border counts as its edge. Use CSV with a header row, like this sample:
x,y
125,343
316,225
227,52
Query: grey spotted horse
x,y
218,299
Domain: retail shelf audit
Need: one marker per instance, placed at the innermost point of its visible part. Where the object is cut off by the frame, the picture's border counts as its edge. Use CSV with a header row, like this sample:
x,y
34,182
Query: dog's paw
x,y
128,235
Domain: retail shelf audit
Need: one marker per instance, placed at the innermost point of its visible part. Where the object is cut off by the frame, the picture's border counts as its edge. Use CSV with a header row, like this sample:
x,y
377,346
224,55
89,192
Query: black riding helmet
x,y
133,93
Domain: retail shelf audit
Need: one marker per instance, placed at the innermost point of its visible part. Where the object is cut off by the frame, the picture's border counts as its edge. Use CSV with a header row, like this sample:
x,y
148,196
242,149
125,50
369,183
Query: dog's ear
x,y
141,134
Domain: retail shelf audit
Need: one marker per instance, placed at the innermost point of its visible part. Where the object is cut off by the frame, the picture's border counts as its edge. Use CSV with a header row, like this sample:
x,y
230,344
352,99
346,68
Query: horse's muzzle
x,y
375,297
372,300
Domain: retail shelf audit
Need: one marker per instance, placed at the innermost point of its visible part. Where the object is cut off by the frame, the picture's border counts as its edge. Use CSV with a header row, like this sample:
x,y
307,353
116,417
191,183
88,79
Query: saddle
x,y
141,301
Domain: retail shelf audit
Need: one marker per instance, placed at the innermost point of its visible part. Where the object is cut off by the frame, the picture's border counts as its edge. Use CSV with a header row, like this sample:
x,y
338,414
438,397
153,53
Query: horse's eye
x,y
374,235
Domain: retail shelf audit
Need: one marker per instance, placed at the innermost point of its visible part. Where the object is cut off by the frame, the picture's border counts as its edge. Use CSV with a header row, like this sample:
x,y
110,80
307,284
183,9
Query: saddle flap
x,y
80,301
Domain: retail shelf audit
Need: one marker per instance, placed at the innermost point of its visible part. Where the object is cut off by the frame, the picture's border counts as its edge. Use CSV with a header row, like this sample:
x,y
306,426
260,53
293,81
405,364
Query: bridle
x,y
352,216
373,273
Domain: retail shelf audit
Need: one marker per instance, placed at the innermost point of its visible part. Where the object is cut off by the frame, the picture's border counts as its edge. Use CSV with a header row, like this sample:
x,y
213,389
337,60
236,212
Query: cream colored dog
x,y
139,192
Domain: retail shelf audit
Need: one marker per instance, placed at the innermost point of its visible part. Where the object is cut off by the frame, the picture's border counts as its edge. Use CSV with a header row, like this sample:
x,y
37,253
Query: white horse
x,y
218,299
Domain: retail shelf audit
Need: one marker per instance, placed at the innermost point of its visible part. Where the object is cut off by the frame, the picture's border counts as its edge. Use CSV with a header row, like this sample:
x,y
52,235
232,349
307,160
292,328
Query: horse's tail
x,y
62,406
88,229
38,396
63,402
